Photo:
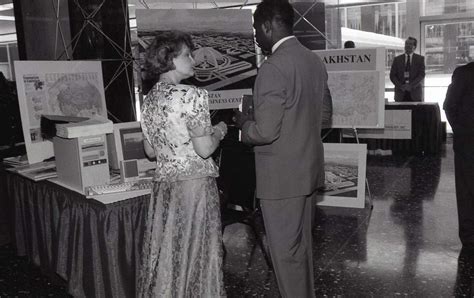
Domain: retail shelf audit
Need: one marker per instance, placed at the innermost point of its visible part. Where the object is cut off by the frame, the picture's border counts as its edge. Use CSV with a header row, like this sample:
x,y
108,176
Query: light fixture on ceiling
x,y
7,18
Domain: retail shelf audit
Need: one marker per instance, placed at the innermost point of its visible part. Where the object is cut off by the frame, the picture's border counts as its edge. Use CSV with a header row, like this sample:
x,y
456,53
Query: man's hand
x,y
239,118
406,87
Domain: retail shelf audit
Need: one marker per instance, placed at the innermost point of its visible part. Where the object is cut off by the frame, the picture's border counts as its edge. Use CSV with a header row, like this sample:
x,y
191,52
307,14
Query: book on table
x,y
37,171
92,126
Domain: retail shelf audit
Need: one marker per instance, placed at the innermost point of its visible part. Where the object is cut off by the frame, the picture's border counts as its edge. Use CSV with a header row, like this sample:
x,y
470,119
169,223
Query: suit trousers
x,y
288,228
464,177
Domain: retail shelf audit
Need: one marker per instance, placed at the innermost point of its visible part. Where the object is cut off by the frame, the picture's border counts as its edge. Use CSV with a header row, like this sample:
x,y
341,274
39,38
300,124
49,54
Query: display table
x,y
426,137
94,247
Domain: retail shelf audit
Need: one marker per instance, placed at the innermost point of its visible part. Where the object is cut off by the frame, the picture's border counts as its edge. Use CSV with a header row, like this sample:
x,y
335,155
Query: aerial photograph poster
x,y
344,169
224,48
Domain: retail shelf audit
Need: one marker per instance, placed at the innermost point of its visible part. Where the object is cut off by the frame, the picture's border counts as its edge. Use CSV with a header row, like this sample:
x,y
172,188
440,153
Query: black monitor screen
x,y
132,143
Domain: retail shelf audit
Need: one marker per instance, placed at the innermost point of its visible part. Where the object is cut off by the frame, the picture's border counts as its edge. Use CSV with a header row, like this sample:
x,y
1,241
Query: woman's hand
x,y
221,128
206,145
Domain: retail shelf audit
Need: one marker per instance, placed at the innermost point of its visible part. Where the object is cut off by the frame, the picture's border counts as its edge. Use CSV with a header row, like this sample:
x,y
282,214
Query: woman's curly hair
x,y
159,55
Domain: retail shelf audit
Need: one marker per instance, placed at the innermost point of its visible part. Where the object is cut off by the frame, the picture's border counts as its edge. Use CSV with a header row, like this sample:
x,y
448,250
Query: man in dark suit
x,y
407,73
459,107
289,154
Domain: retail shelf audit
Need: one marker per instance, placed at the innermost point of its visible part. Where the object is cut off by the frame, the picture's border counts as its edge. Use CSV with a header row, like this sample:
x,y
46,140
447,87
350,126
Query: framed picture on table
x,y
344,169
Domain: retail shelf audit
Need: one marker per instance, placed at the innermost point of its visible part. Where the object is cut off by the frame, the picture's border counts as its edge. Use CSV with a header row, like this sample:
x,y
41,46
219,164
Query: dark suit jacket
x,y
288,105
459,102
417,75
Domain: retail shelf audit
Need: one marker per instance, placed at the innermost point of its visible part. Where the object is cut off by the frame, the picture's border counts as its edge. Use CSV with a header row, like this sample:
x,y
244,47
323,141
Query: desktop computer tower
x,y
82,162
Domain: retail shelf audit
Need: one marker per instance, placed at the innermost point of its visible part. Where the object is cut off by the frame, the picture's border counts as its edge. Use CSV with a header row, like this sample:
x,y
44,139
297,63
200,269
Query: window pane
x,y
447,45
440,7
354,18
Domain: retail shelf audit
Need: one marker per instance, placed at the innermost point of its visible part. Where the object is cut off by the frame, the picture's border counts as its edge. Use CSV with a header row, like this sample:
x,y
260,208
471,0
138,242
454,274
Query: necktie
x,y
407,65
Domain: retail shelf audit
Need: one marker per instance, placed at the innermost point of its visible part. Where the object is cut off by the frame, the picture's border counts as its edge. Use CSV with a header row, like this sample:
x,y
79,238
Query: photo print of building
x,y
345,169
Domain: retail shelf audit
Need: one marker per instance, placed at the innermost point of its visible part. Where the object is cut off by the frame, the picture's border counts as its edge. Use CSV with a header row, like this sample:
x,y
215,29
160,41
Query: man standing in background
x,y
407,73
349,44
459,107
289,154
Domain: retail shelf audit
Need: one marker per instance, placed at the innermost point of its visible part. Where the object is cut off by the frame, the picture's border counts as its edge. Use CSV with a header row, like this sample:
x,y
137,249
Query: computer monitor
x,y
126,143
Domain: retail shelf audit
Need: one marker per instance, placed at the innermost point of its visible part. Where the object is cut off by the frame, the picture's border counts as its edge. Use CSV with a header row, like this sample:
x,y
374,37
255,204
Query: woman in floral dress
x,y
182,253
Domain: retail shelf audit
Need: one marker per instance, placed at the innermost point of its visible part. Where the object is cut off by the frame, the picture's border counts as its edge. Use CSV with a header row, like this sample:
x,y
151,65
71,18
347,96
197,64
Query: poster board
x,y
225,50
345,173
65,88
356,79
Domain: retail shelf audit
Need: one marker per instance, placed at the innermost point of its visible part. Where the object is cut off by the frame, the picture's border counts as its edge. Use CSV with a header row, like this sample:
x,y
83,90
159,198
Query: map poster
x,y
224,48
357,85
357,98
65,88
344,169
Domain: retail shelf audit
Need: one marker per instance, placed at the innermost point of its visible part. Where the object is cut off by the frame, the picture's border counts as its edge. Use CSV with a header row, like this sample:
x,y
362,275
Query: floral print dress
x,y
182,251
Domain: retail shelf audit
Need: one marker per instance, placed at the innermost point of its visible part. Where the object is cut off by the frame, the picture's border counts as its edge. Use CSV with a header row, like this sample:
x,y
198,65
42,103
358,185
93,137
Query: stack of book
x,y
37,171
93,126
15,161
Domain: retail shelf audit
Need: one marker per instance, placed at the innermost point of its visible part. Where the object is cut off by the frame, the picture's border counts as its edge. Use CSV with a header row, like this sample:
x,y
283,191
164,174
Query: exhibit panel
x,y
356,82
224,48
65,88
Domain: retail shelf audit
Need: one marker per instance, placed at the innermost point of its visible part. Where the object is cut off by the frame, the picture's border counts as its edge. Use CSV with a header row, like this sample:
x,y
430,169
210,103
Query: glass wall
x,y
440,7
447,29
387,19
448,45
8,54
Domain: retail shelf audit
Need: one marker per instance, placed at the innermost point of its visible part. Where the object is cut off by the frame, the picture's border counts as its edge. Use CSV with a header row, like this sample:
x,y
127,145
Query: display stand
x,y
354,130
325,135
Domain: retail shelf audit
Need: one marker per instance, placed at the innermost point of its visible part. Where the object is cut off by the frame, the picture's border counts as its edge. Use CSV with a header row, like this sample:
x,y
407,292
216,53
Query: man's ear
x,y
267,27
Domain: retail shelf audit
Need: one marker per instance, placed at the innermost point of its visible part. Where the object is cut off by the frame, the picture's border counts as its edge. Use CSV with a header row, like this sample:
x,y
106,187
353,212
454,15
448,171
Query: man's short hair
x,y
414,40
349,44
281,10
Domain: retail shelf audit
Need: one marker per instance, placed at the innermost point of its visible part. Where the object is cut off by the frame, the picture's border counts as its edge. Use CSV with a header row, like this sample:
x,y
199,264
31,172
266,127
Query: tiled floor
x,y
407,245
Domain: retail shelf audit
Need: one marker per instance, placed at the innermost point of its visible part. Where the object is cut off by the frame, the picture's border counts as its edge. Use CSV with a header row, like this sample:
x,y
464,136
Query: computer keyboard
x,y
143,184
